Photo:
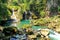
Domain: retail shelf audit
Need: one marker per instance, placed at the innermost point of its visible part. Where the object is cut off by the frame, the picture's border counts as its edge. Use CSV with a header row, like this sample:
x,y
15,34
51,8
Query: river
x,y
53,35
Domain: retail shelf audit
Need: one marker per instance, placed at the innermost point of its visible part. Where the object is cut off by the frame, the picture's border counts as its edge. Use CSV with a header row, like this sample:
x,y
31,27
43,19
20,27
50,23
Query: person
x,y
24,16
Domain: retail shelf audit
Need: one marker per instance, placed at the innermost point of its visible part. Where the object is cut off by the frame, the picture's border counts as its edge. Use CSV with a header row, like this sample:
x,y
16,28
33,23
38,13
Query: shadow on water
x,y
6,22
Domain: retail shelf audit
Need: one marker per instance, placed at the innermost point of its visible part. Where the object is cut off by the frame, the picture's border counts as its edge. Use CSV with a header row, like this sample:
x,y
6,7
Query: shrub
x,y
43,14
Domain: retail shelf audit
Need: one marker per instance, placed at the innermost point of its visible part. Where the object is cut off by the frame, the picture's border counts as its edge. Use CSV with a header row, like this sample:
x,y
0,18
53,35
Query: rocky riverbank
x,y
27,34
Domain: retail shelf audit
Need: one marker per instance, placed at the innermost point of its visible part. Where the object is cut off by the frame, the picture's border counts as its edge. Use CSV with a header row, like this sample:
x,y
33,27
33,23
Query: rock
x,y
9,31
32,36
3,22
44,32
43,38
57,29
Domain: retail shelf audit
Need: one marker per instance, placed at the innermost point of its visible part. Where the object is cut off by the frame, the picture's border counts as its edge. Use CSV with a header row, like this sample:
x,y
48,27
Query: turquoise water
x,y
38,27
23,22
51,35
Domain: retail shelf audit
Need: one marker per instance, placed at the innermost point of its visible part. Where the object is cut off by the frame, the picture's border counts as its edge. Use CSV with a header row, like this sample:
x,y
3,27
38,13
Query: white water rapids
x,y
54,35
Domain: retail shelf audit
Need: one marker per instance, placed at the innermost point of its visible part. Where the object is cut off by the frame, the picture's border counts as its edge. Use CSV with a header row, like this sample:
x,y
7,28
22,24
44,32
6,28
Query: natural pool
x,y
23,22
52,35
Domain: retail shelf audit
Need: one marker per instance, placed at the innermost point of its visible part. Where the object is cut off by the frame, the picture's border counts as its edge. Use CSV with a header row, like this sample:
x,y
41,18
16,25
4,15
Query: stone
x,y
44,32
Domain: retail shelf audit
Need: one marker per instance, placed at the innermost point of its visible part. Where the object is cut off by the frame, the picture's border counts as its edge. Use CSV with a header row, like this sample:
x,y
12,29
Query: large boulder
x,y
9,31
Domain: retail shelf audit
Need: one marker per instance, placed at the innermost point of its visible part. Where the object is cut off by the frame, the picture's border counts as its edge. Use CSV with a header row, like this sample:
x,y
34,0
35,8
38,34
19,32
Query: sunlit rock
x,y
44,32
1,28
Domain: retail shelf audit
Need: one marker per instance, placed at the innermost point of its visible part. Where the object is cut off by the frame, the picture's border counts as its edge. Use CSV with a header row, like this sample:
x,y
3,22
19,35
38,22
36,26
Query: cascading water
x,y
13,16
54,35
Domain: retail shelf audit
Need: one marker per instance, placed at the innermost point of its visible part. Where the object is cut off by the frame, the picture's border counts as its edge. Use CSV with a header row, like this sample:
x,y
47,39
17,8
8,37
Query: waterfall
x,y
13,16
54,37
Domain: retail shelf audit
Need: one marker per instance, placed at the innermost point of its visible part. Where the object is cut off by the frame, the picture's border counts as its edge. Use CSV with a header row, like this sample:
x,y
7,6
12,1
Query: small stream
x,y
53,35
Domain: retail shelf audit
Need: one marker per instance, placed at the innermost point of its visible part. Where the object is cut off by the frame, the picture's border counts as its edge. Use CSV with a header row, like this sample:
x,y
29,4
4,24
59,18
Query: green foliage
x,y
4,1
38,6
42,21
11,7
4,13
53,9
32,5
59,8
43,14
